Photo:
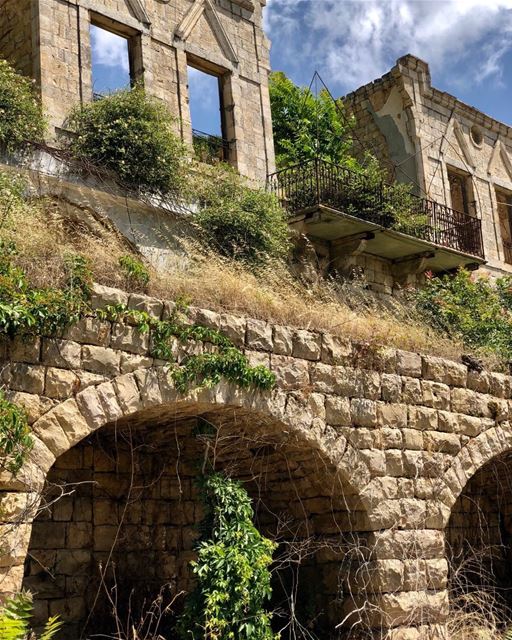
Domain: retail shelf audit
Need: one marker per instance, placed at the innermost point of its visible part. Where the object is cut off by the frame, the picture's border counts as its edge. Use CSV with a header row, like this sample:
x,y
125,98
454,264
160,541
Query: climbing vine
x,y
15,439
232,569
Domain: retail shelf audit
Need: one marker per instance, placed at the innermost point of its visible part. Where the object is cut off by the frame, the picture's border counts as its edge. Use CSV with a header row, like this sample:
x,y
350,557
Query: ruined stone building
x,y
453,153
50,41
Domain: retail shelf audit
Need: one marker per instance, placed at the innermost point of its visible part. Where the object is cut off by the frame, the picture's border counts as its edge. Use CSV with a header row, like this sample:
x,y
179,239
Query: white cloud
x,y
109,49
355,41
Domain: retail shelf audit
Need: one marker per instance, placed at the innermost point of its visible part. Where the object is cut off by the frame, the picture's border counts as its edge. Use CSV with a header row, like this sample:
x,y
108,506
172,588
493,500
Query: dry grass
x,y
58,228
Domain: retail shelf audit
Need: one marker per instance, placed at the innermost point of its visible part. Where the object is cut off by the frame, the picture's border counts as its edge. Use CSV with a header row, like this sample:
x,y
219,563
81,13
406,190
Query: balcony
x,y
332,204
209,148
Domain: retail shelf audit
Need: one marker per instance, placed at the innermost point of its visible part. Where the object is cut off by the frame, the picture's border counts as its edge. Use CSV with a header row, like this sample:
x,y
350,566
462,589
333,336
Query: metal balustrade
x,y
320,183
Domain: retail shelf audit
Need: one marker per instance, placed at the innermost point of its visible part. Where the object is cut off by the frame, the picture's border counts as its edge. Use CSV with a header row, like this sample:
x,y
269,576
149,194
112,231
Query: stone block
x,y
391,387
128,338
25,349
291,373
128,394
259,335
363,412
392,415
307,345
233,327
101,360
103,296
131,362
64,354
91,408
408,364
28,378
89,330
337,411
435,395
335,350
61,383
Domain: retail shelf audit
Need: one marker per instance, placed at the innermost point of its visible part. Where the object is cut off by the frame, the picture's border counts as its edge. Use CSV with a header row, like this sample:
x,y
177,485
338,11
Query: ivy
x,y
232,569
15,439
205,369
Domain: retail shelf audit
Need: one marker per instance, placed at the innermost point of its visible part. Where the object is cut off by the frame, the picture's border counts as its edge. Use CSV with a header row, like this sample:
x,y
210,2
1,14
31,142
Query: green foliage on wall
x,y
474,310
15,439
136,272
15,617
232,569
21,117
132,135
307,126
238,221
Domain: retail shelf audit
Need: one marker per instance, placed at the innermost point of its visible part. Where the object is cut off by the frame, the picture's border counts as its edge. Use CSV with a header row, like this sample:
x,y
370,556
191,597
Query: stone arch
x,y
147,392
478,527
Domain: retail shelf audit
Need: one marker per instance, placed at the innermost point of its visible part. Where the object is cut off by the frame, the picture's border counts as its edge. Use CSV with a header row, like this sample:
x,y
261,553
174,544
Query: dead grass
x,y
49,228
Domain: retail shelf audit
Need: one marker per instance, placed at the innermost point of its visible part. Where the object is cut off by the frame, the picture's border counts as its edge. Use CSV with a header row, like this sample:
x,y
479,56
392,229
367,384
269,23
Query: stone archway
x,y
303,479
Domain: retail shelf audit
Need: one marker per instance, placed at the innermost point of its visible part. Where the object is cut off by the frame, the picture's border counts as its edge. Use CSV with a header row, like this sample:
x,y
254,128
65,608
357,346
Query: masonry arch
x,y
122,457
478,530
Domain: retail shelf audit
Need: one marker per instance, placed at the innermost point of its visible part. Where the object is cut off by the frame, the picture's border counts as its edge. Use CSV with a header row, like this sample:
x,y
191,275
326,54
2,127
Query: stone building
x,y
50,41
455,155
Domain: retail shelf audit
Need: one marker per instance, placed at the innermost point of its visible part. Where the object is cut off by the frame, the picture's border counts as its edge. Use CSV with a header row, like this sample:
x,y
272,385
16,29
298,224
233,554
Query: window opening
x,y
110,59
505,217
459,192
206,115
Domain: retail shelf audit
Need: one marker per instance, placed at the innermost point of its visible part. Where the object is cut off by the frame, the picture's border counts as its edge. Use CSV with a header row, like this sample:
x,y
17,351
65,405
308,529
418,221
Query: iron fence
x,y
210,148
318,182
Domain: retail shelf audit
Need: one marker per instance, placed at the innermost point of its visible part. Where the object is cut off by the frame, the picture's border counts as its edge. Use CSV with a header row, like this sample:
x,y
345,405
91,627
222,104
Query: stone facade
x,y
369,458
452,152
50,40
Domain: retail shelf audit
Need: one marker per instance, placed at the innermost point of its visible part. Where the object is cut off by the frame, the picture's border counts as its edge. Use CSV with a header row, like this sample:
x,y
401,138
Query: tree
x,y
233,578
307,126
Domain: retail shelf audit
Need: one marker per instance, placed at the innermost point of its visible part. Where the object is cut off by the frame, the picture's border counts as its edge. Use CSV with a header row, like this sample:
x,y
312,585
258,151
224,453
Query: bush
x,y
21,117
130,134
136,272
232,570
476,311
238,221
15,618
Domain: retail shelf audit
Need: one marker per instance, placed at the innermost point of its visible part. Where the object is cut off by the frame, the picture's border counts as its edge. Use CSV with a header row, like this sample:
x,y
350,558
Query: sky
x,y
468,44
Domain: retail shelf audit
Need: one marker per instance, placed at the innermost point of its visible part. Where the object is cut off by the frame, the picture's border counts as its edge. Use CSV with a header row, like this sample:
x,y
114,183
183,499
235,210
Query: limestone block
x,y
14,540
447,421
61,383
91,408
408,364
391,387
128,394
259,335
337,411
11,578
411,391
64,354
28,378
335,350
109,403
471,403
402,544
131,362
370,382
106,296
101,360
375,460
435,395
207,318
258,358
89,330
394,462
500,385
363,412
18,506
128,338
479,381
149,384
233,327
50,431
292,373
445,371
34,404
441,441
390,437
307,345
422,418
88,379
72,562
392,415
25,349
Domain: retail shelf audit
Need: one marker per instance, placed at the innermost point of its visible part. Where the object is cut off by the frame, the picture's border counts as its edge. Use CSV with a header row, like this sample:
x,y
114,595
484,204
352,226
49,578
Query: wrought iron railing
x,y
210,148
318,182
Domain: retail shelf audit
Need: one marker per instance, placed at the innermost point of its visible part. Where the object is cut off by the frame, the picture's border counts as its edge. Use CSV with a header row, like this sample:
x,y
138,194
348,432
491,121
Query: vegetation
x,y
136,272
238,221
21,117
307,126
15,617
132,135
15,439
474,310
232,569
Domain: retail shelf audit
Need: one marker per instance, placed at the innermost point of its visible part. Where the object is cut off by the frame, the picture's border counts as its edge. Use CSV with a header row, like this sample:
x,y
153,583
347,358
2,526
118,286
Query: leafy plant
x,y
474,310
15,439
232,569
238,221
136,271
307,126
15,618
21,117
132,135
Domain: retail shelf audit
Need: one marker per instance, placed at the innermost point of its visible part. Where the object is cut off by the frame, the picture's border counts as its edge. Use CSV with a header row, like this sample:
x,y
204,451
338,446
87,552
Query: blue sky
x,y
468,44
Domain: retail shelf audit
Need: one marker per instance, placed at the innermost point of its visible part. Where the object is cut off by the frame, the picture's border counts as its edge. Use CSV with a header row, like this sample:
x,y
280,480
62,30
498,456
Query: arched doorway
x,y
120,514
479,551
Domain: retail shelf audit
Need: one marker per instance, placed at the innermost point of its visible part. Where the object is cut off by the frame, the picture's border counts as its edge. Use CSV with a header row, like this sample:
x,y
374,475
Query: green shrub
x,y
136,272
130,134
232,570
238,221
15,438
476,311
21,117
15,618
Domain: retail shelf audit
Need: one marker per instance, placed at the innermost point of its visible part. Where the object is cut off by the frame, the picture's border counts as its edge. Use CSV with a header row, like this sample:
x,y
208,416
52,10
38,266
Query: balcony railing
x,y
209,148
320,183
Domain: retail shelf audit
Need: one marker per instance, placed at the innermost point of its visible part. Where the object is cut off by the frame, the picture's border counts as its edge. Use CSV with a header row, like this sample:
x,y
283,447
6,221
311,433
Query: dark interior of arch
x,y
124,504
479,543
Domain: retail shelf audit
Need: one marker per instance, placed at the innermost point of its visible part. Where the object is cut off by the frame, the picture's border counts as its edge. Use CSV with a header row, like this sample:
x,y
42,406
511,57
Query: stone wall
x,y
421,133
377,447
224,37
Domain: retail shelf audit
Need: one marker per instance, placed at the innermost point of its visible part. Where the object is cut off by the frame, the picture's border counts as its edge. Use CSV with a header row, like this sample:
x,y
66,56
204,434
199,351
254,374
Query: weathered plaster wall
x,y
404,433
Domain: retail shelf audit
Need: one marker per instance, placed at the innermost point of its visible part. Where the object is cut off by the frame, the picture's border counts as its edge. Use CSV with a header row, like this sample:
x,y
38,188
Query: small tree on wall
x,y
232,569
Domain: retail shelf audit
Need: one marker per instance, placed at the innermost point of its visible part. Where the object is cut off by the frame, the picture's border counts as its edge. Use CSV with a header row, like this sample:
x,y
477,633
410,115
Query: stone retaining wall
x,y
378,447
